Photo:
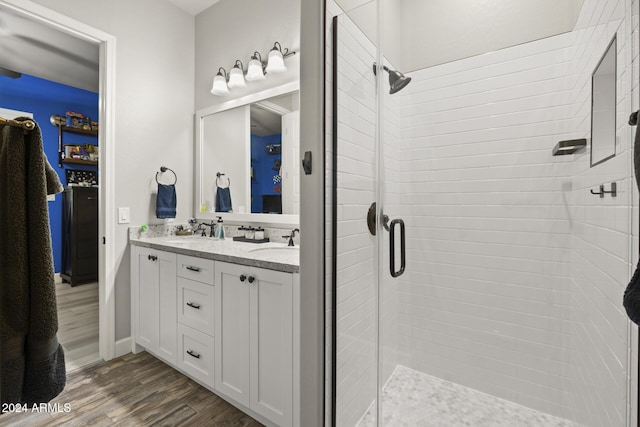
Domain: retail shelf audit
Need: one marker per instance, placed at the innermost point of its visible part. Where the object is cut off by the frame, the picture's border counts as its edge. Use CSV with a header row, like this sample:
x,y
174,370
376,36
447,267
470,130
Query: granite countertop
x,y
272,256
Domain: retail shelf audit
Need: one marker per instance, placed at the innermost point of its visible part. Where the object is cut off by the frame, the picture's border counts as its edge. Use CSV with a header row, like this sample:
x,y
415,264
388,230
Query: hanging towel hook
x,y
163,169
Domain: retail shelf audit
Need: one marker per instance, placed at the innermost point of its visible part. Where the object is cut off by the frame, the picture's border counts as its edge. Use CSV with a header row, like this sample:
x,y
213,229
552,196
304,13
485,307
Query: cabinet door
x,y
156,302
167,312
271,332
232,331
85,234
147,296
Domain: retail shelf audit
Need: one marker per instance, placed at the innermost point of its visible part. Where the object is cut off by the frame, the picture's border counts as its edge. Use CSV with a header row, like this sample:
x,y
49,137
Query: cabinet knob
x,y
152,258
194,305
243,277
193,354
251,279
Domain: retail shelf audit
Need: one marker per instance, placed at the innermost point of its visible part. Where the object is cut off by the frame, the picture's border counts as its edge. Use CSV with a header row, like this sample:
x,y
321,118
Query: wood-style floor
x,y
78,323
133,390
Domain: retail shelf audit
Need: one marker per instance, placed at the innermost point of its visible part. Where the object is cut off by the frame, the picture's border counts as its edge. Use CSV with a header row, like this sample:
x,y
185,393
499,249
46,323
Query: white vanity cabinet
x,y
154,295
254,339
229,326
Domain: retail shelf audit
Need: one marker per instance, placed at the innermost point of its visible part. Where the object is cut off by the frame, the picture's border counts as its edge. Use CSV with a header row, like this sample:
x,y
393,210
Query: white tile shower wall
x,y
632,407
356,291
600,227
486,299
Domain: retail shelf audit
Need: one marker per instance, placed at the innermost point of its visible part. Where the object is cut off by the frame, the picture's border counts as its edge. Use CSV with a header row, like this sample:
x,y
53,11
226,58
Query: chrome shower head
x,y
397,80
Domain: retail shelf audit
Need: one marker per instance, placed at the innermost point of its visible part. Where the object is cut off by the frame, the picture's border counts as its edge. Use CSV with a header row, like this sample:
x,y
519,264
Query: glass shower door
x,y
363,232
354,249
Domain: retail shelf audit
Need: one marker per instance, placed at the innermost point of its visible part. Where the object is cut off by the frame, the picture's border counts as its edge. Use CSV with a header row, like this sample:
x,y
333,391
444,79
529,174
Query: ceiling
x,y
420,34
30,47
194,7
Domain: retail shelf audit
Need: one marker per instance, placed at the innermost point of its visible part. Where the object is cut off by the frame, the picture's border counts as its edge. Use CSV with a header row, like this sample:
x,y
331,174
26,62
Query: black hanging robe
x,y
31,359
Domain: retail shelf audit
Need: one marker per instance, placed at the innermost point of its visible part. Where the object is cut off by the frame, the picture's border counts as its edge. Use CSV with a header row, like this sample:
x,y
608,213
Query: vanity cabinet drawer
x,y
195,268
195,305
195,354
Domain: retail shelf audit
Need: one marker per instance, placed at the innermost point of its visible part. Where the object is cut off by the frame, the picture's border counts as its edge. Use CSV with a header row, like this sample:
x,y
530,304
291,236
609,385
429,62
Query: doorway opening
x,y
104,45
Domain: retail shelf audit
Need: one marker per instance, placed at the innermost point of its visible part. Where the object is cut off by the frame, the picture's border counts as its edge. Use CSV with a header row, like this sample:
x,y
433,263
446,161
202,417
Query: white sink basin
x,y
280,250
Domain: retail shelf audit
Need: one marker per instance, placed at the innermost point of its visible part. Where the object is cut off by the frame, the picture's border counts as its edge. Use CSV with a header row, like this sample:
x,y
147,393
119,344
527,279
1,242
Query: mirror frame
x,y
611,140
252,218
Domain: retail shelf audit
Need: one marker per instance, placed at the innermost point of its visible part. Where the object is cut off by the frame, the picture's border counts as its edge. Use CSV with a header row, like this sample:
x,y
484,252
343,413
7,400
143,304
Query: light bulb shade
x,y
275,63
254,72
220,86
236,78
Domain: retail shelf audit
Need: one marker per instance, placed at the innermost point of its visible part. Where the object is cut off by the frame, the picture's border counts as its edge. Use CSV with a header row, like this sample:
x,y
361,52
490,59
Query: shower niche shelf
x,y
569,146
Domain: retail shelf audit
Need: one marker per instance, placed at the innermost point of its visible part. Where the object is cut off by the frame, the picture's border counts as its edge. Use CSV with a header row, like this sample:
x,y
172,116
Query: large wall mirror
x,y
247,166
603,107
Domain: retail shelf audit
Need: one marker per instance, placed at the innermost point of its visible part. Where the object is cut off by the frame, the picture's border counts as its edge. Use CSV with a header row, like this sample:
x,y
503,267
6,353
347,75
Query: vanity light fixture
x,y
220,83
236,75
275,62
255,70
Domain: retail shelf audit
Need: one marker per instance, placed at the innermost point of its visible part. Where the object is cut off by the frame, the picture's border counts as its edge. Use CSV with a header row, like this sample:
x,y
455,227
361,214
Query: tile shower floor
x,y
414,399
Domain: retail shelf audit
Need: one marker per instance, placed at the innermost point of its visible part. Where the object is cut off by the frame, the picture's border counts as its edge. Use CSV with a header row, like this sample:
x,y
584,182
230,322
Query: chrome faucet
x,y
291,236
204,231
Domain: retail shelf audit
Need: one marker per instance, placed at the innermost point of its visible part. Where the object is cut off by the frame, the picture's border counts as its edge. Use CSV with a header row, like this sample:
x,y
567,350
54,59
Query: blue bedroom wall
x,y
263,170
43,98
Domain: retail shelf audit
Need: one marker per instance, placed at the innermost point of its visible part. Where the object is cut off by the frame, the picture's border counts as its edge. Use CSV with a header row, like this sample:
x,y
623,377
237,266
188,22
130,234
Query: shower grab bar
x,y
392,251
602,192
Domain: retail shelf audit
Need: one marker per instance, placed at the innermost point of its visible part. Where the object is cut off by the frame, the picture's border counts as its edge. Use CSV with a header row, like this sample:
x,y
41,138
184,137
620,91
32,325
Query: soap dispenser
x,y
219,229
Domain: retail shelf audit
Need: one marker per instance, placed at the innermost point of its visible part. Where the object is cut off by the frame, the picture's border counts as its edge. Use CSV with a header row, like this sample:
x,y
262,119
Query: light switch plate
x,y
123,216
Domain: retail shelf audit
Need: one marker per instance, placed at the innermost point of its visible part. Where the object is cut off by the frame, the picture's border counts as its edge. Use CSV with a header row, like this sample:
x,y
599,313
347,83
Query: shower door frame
x,y
633,412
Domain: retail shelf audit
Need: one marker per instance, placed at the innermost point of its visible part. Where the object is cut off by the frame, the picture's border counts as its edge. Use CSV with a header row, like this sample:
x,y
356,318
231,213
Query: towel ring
x,y
163,169
218,175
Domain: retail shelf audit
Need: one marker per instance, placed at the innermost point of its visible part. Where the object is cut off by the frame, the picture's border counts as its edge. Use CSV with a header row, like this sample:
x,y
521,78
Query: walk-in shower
x,y
473,278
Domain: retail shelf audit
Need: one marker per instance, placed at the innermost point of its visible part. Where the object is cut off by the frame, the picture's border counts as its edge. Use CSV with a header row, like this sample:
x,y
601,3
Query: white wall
x,y
601,228
154,111
234,29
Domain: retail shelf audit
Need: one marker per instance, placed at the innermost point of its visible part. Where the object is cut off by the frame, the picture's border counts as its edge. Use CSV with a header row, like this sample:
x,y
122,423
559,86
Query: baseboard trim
x,y
123,347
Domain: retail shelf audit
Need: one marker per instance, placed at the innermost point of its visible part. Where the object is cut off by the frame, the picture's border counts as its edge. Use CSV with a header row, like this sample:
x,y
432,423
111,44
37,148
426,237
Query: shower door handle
x,y
392,248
